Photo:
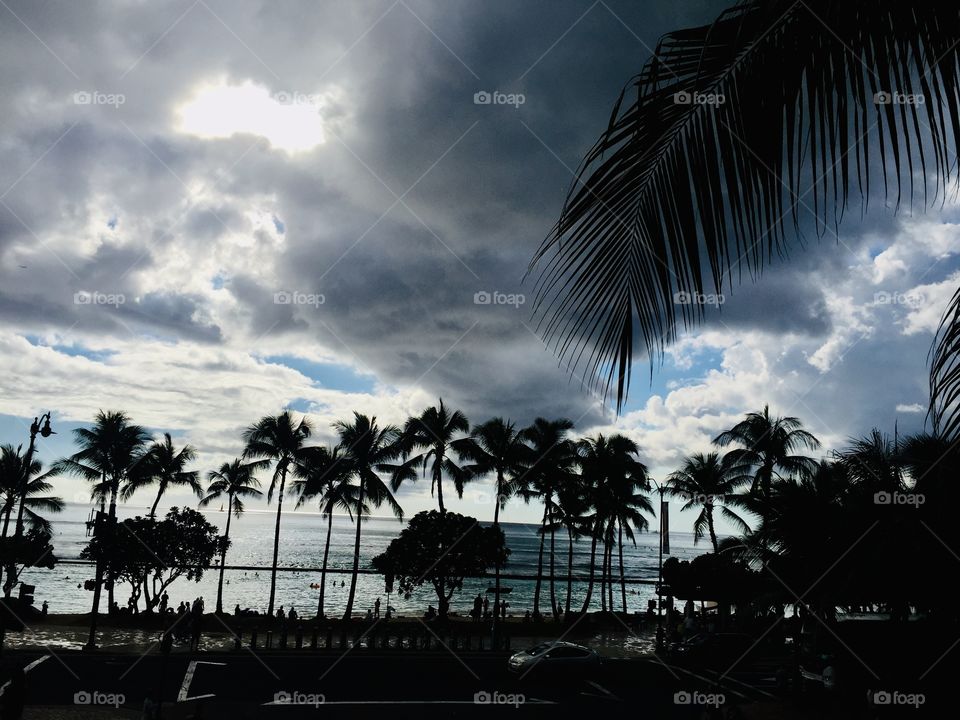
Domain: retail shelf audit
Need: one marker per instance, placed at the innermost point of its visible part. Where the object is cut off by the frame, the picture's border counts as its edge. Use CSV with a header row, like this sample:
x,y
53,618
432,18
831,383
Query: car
x,y
555,658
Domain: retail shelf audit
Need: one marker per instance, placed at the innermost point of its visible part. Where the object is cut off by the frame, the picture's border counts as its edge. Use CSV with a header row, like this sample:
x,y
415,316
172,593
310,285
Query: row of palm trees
x,y
592,488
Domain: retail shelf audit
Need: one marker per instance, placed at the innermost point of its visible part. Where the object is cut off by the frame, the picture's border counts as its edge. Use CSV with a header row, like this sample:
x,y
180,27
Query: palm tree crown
x,y
769,444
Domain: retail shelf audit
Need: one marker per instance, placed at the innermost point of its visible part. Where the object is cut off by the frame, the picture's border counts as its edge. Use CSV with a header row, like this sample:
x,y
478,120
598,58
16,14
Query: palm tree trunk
x,y
536,590
553,591
276,543
604,571
153,510
623,580
223,556
323,569
566,610
593,562
496,586
356,554
713,534
112,517
438,481
610,573
6,519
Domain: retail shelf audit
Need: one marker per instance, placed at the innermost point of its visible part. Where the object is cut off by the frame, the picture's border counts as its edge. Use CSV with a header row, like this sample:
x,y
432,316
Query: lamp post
x,y
660,571
40,426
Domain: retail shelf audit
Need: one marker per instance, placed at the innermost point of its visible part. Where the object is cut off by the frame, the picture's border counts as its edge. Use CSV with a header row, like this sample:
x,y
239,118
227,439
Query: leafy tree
x,y
150,553
441,548
32,549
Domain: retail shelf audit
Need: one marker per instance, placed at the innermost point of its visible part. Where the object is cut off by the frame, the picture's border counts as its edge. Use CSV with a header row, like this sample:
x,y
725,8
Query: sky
x,y
212,211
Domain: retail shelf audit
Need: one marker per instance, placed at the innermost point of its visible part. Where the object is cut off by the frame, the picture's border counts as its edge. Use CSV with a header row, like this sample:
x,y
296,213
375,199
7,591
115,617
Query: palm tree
x,y
872,463
605,463
368,448
165,465
628,503
108,457
709,481
279,439
713,151
325,476
435,431
769,444
569,513
236,481
13,490
552,468
497,448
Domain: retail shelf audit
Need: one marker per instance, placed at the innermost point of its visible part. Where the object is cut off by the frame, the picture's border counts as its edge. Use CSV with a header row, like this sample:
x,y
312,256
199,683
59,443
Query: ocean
x,y
301,546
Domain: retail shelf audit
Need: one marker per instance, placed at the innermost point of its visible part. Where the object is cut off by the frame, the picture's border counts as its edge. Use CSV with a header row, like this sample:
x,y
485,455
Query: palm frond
x,y
730,136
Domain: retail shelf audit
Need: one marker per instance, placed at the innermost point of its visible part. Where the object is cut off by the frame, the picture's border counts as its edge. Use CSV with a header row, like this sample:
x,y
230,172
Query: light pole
x,y
660,571
40,426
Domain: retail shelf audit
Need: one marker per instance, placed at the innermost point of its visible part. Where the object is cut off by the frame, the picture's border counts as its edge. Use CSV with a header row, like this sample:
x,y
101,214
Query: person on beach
x,y
44,608
280,614
486,608
376,609
164,599
236,610
292,614
503,609
369,615
477,607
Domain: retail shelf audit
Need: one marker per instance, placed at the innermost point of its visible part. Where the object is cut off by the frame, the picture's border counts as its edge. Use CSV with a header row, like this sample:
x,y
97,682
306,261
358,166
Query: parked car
x,y
555,658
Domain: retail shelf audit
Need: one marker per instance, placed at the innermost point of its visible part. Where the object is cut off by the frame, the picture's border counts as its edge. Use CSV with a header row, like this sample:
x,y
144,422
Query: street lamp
x,y
40,426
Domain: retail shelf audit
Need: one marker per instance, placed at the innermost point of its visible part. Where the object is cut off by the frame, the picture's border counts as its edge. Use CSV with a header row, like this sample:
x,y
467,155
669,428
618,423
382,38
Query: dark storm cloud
x,y
480,185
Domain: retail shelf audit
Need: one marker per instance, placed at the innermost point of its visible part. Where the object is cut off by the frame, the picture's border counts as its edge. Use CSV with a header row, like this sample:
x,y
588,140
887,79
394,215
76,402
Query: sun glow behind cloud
x,y
289,121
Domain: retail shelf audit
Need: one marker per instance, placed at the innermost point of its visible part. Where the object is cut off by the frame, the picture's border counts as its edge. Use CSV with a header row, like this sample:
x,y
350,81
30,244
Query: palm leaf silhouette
x,y
730,136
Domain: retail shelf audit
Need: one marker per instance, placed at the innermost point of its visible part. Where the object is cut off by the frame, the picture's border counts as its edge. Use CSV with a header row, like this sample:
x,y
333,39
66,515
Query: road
x,y
358,683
